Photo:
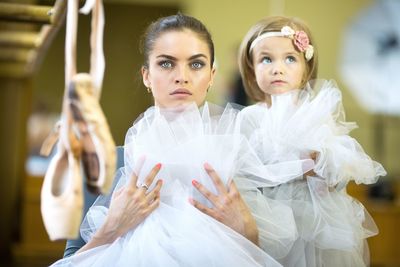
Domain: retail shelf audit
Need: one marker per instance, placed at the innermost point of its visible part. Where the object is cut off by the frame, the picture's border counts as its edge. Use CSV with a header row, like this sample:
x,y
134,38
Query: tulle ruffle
x,y
300,122
329,223
277,229
175,235
332,226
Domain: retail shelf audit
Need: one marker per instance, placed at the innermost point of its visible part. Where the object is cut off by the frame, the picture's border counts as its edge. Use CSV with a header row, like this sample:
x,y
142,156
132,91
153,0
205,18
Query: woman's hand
x,y
229,207
129,206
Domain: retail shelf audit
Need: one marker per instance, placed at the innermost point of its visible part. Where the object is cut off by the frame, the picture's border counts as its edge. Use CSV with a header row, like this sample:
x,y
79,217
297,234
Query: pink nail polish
x,y
158,165
194,182
191,201
207,166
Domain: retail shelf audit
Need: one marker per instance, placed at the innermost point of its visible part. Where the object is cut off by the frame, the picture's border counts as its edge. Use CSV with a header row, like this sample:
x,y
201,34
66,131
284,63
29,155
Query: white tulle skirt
x,y
332,226
176,233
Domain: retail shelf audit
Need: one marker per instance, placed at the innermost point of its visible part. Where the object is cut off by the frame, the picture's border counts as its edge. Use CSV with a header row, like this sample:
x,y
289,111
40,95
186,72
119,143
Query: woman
x,y
150,223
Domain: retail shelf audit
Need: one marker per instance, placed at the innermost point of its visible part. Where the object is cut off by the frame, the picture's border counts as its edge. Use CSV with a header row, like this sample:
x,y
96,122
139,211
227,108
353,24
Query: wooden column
x,y
26,32
15,101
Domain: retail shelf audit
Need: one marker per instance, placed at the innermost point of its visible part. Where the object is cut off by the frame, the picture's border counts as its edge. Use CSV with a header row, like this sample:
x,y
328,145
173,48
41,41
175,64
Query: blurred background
x,y
358,44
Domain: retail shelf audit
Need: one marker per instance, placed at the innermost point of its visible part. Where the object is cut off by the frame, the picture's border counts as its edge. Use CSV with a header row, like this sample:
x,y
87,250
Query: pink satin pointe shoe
x,y
98,147
62,196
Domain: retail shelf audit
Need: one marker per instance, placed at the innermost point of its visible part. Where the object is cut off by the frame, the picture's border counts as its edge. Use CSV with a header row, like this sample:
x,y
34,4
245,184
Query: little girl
x,y
297,117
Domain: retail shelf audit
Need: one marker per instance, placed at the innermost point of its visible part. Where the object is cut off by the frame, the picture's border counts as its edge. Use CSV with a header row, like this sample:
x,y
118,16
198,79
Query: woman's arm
x,y
229,207
73,245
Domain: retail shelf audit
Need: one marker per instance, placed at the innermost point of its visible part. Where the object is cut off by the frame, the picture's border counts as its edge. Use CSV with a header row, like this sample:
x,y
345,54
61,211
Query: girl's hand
x,y
129,206
229,207
313,156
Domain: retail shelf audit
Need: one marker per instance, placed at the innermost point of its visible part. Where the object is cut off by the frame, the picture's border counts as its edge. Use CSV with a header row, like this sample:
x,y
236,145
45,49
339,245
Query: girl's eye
x,y
266,60
291,59
197,65
165,64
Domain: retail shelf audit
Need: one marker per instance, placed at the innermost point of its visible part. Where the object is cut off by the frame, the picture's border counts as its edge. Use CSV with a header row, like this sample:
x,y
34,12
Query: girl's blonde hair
x,y
271,24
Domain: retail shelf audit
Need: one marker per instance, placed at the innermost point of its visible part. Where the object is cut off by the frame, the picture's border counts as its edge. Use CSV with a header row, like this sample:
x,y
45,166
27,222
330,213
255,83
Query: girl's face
x,y
278,66
179,69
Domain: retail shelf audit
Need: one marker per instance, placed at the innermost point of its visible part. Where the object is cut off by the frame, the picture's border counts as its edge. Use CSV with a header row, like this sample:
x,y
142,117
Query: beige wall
x,y
228,22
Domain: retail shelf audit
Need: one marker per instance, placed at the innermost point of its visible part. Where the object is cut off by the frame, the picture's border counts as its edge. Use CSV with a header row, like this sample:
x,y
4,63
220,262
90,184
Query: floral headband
x,y
300,40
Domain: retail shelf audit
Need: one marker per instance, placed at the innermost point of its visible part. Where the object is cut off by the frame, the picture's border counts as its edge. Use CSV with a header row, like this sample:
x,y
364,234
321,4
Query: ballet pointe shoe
x,y
62,196
98,147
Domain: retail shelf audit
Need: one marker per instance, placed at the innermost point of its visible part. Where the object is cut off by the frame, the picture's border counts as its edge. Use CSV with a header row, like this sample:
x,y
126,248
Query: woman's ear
x,y
145,76
212,75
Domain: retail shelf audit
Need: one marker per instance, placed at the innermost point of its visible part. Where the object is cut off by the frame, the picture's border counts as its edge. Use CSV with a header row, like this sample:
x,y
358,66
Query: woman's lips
x,y
181,91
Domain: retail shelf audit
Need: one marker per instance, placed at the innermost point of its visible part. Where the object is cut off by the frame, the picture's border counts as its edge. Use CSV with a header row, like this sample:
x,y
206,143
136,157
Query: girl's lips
x,y
278,82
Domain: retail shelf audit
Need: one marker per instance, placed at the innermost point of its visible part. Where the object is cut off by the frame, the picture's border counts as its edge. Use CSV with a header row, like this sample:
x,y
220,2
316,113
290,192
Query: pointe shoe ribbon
x,y
50,140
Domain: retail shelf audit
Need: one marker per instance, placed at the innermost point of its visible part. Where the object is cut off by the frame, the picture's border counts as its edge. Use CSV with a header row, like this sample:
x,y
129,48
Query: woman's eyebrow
x,y
166,56
197,56
174,58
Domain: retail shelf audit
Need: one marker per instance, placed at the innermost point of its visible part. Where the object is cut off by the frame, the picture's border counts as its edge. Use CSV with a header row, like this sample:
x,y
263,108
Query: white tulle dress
x,y
332,226
176,233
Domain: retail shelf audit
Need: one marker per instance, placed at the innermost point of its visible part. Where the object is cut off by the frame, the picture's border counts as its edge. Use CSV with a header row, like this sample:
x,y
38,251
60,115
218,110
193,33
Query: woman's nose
x,y
182,76
181,81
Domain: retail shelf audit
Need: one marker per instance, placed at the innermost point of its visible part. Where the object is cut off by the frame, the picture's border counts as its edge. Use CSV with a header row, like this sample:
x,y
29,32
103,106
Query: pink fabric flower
x,y
301,40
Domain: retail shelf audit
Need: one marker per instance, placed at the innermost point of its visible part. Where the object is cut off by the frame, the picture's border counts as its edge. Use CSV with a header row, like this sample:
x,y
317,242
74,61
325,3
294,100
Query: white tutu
x,y
332,226
176,233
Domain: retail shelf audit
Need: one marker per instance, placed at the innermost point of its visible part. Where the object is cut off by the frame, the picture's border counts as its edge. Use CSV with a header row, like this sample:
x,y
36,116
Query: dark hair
x,y
176,22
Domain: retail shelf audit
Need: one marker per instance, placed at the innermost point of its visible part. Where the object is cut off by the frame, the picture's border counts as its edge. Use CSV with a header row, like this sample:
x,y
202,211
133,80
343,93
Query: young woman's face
x,y
179,69
278,66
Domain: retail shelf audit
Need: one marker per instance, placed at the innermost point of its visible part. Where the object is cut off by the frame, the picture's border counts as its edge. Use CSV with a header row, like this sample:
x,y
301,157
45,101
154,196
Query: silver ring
x,y
145,186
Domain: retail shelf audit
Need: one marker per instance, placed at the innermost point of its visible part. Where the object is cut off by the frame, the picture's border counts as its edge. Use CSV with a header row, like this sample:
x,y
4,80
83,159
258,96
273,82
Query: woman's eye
x,y
166,64
266,60
291,59
197,65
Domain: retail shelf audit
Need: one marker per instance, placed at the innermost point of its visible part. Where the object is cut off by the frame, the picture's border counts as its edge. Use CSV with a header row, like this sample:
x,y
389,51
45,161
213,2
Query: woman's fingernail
x,y
191,201
207,166
194,182
158,165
